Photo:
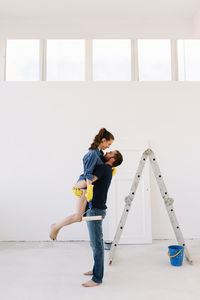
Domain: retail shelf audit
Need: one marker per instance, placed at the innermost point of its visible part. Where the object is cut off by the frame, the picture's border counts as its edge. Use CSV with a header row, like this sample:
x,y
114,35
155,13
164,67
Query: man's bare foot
x,y
90,283
53,232
88,273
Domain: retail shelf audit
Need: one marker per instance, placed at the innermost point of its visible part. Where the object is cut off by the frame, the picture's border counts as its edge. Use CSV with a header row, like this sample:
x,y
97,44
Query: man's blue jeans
x,y
96,243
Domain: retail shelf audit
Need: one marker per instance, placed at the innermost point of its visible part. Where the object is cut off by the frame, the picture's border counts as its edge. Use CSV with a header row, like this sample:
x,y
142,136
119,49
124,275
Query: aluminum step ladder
x,y
167,200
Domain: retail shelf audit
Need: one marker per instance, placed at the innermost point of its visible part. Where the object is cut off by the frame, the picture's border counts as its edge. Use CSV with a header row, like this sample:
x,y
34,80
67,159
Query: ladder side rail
x,y
177,231
168,204
158,176
138,175
118,232
128,201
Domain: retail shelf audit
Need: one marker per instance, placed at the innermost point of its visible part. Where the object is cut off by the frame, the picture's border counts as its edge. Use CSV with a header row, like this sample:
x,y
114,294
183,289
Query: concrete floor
x,y
53,271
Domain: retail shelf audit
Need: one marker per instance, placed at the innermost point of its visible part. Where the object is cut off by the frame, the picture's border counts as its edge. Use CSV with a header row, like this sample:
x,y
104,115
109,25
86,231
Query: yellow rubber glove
x,y
114,171
77,192
89,193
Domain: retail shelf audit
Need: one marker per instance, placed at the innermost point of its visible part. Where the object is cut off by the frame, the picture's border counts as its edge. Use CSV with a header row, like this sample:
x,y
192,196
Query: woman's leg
x,y
82,183
77,217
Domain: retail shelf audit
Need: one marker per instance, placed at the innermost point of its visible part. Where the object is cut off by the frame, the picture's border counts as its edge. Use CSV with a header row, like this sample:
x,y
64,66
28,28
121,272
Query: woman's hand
x,y
89,193
113,171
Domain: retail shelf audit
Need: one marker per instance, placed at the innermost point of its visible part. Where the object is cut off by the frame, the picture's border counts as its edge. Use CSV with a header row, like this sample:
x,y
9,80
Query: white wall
x,y
45,128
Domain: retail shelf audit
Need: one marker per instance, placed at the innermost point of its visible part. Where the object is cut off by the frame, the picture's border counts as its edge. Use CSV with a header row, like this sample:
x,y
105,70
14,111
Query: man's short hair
x,y
118,159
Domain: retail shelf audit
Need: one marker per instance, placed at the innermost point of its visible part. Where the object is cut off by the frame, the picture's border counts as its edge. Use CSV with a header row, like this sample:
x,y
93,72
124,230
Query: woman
x,y
101,141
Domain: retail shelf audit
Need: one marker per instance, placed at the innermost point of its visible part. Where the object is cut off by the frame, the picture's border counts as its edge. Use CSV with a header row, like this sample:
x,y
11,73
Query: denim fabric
x,y
96,243
90,160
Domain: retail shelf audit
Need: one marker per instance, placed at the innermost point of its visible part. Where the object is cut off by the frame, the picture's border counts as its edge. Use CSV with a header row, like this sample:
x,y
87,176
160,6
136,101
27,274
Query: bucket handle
x,y
175,254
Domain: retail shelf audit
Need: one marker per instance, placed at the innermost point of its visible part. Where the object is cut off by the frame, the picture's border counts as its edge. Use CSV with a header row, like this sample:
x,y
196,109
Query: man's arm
x,y
95,178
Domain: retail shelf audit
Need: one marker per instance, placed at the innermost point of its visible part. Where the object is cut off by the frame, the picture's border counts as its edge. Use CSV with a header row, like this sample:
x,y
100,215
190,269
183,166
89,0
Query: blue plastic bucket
x,y
107,245
176,254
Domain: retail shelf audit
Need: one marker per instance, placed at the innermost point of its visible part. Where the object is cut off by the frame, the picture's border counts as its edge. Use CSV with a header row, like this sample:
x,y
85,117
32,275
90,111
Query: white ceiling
x,y
98,9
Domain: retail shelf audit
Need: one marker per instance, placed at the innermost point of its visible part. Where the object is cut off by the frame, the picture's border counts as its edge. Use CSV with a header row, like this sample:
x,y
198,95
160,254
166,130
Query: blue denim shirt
x,y
90,160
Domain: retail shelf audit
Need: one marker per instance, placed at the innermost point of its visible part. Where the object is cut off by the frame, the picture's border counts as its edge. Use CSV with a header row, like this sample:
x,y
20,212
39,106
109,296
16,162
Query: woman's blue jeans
x,y
96,243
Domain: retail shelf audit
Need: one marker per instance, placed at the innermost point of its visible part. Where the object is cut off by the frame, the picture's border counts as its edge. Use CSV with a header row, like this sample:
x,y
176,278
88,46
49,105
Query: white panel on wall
x,y
138,225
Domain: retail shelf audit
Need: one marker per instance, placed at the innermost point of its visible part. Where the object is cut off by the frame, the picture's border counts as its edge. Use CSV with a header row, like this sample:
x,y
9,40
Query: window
x,y
22,60
112,60
154,60
66,60
189,60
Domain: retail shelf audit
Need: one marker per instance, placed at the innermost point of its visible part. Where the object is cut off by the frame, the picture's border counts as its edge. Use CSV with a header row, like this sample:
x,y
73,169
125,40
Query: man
x,y
101,186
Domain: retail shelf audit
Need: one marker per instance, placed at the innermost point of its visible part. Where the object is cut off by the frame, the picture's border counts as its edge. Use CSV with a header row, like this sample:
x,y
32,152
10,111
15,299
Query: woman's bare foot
x,y
88,273
53,232
90,283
